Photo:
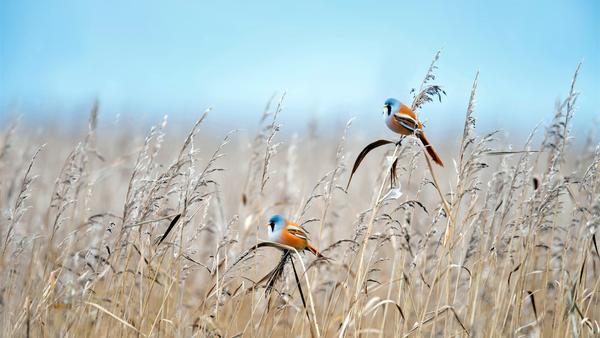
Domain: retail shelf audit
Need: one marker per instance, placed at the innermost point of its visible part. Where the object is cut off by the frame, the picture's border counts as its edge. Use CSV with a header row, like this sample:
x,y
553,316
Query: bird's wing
x,y
297,231
406,121
404,109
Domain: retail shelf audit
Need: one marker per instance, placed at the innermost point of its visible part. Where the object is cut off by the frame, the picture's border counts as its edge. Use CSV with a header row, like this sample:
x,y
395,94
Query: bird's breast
x,y
274,236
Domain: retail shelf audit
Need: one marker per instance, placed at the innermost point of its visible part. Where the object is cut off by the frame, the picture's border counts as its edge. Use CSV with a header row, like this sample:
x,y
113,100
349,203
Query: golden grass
x,y
497,243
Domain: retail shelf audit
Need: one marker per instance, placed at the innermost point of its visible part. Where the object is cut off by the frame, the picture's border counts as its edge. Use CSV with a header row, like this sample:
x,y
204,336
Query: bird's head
x,y
276,222
390,105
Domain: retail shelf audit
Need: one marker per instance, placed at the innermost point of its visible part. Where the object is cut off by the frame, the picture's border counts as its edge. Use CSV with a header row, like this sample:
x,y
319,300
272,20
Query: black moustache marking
x,y
272,225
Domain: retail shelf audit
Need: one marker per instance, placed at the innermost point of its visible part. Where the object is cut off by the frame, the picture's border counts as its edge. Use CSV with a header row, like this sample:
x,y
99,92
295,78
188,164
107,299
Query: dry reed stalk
x,y
522,226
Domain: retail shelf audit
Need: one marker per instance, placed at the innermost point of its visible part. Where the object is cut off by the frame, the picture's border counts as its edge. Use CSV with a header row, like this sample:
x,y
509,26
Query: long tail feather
x,y
314,251
434,156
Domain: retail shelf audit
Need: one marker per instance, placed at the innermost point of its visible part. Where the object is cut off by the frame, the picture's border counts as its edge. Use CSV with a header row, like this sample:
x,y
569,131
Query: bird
x,y
401,119
291,234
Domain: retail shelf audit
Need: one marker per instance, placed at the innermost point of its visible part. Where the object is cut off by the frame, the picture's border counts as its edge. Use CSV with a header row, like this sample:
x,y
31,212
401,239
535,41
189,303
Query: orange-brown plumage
x,y
289,237
404,109
432,153
290,234
403,120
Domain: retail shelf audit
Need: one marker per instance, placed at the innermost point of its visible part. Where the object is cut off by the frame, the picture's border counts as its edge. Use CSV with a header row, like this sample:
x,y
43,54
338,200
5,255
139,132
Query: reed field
x,y
119,232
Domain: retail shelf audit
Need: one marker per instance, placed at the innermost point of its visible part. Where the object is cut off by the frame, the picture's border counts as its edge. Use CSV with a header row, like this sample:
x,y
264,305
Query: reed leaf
x,y
362,156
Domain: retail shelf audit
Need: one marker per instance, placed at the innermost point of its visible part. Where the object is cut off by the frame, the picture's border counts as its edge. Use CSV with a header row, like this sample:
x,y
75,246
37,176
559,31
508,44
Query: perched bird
x,y
402,120
291,234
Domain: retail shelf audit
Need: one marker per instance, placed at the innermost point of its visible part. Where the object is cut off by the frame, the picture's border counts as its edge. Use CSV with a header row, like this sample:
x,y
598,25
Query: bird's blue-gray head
x,y
276,222
391,105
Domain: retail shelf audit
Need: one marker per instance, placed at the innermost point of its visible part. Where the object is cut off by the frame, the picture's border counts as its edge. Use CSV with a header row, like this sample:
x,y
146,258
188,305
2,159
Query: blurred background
x,y
335,60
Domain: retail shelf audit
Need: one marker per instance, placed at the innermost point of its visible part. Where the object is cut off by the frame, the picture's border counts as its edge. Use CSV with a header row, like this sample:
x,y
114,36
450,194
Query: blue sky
x,y
335,59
